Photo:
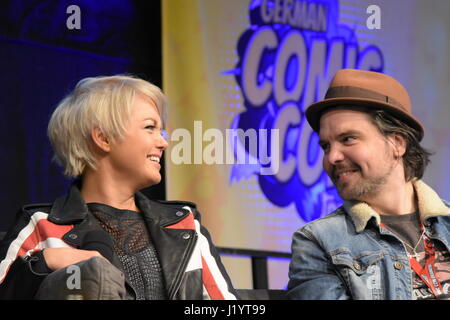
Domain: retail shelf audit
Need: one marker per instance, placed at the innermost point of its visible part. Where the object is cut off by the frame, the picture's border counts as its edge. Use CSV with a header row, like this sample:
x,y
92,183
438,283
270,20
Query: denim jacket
x,y
346,255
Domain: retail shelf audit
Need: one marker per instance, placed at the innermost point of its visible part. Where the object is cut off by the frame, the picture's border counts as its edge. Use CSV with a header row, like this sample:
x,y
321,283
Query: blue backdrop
x,y
41,60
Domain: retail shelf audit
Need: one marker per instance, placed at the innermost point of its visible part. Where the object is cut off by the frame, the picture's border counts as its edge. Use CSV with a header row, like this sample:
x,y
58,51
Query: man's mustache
x,y
341,168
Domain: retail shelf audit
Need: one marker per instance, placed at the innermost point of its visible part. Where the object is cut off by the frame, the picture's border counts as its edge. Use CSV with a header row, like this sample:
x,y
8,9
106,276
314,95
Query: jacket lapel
x,y
360,213
172,238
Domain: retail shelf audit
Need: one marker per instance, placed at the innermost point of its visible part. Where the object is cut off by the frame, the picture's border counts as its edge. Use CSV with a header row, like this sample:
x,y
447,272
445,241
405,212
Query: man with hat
x,y
391,237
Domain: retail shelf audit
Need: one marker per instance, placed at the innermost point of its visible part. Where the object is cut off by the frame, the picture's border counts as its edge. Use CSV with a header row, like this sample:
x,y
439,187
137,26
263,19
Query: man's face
x,y
357,157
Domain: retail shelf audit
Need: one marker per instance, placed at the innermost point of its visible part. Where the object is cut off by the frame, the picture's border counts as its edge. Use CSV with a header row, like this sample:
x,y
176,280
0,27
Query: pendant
x,y
415,256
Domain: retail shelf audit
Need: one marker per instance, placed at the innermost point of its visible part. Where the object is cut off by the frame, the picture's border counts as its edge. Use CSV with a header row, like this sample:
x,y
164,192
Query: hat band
x,y
356,92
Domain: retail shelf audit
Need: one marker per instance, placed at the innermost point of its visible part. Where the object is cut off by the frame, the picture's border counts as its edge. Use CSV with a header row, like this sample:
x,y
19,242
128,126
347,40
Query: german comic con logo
x,y
287,57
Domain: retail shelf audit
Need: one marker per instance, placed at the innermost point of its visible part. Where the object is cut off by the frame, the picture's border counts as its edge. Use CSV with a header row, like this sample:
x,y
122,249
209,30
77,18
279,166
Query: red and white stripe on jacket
x,y
214,285
38,234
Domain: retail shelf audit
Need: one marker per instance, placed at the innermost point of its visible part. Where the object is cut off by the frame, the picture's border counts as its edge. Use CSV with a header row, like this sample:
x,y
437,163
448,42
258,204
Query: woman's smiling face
x,y
135,158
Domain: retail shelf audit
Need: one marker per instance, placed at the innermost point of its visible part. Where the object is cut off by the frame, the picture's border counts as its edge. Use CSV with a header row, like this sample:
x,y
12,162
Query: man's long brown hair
x,y
416,158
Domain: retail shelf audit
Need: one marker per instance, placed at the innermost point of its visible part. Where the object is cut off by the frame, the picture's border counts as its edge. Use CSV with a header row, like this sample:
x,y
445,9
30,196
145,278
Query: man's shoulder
x,y
332,221
446,203
446,217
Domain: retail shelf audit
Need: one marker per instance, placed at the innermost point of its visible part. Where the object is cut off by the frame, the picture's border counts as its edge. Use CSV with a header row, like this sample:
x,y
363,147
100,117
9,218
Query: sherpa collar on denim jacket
x,y
429,204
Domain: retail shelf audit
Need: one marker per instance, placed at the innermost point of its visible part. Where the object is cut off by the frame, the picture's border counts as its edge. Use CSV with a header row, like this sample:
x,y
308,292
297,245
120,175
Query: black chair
x,y
260,278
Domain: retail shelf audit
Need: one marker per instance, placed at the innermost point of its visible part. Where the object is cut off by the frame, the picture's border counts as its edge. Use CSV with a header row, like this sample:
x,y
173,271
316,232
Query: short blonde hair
x,y
103,102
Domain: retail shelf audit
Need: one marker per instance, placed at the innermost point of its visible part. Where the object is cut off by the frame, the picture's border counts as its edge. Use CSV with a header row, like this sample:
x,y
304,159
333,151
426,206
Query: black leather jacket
x,y
182,244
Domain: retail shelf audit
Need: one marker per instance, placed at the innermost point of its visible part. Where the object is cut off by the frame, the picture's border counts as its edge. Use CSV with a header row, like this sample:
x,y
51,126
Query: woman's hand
x,y
57,258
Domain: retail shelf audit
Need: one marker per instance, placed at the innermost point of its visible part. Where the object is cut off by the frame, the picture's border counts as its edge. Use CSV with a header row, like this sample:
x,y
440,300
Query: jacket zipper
x,y
184,263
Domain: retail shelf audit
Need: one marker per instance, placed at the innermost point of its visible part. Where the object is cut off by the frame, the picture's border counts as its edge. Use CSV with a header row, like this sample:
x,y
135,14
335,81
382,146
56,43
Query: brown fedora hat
x,y
351,87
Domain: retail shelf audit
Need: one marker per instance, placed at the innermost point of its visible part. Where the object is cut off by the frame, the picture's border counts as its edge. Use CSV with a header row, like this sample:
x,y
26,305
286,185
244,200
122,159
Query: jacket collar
x,y
161,214
71,208
429,204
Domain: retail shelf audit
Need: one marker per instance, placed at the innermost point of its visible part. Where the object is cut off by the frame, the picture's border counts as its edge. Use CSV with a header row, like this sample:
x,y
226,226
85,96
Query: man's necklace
x,y
415,254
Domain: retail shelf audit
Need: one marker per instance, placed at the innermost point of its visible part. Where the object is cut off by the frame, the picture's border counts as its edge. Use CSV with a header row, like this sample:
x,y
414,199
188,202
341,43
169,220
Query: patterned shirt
x,y
407,227
133,246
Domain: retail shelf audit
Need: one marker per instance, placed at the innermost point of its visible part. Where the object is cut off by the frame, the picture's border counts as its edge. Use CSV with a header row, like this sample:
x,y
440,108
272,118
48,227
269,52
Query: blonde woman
x,y
107,134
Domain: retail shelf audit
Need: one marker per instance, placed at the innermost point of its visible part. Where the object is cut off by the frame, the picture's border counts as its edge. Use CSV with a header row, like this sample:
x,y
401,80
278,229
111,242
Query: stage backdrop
x,y
241,72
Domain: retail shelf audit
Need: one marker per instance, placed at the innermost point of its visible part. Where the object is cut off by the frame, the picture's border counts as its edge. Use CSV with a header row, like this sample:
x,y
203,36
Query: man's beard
x,y
365,189
362,188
